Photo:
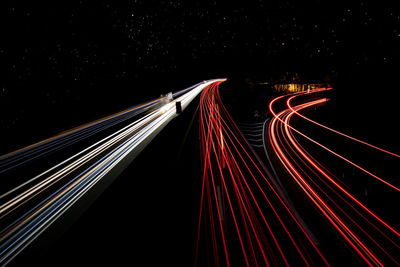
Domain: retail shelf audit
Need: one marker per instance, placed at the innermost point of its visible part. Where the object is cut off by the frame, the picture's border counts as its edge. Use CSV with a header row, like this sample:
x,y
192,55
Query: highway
x,y
28,209
286,207
269,193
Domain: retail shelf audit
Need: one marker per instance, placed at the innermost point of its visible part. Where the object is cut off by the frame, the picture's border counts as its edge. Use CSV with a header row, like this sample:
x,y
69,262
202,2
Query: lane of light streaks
x,y
244,218
29,153
369,236
27,212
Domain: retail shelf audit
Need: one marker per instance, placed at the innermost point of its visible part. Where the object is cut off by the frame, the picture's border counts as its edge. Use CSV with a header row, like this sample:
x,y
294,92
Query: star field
x,y
58,53
119,40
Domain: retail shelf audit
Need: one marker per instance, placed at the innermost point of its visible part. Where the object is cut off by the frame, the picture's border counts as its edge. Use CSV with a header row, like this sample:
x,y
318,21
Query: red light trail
x,y
246,218
337,132
361,229
242,210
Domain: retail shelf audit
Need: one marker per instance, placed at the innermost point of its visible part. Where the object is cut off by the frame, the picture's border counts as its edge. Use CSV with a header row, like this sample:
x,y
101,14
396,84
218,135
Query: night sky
x,y
69,62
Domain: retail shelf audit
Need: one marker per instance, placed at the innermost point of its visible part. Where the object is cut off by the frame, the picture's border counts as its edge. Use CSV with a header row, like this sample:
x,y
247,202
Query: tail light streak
x,y
249,193
290,154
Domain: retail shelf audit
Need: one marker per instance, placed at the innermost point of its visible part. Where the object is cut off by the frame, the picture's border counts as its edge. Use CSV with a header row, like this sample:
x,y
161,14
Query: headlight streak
x,y
29,209
261,219
291,155
21,156
67,138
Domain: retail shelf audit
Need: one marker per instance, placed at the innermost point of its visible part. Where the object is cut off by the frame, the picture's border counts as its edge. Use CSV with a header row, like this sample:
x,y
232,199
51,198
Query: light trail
x,y
335,131
29,209
245,216
21,156
369,236
254,224
333,152
67,138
